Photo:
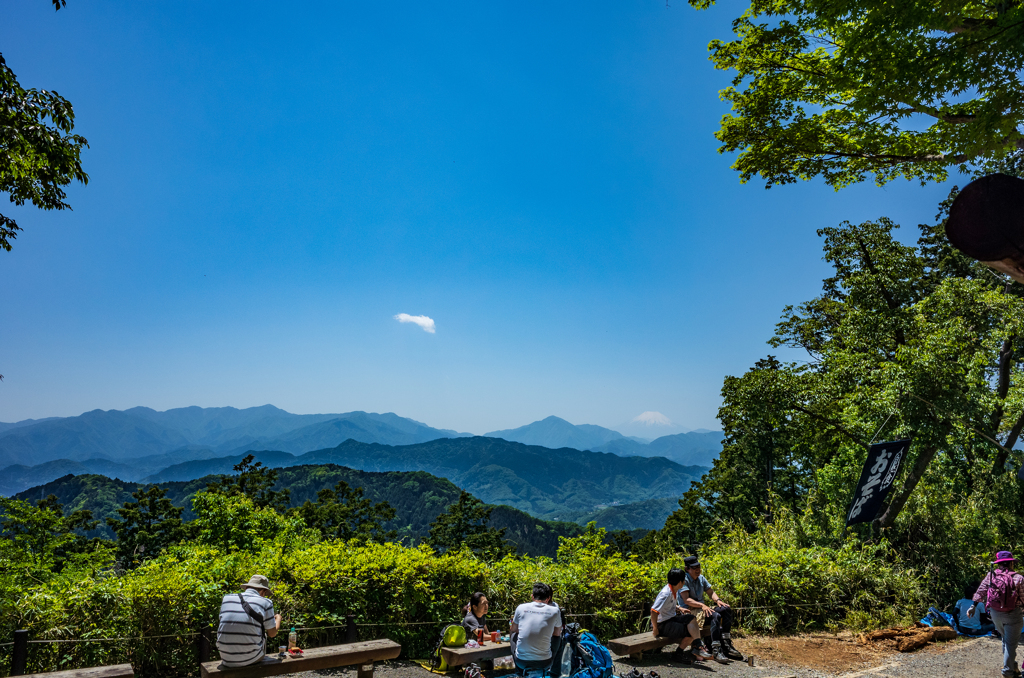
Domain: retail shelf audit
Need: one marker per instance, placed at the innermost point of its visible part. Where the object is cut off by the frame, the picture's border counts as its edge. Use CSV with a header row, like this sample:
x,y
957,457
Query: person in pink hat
x,y
1002,590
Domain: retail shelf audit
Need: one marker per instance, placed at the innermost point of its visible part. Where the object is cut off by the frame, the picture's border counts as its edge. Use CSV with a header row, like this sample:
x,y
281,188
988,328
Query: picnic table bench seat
x,y
636,645
361,654
458,656
115,671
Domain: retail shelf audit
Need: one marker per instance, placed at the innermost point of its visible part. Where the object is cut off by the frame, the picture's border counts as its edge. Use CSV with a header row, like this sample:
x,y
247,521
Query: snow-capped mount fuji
x,y
649,426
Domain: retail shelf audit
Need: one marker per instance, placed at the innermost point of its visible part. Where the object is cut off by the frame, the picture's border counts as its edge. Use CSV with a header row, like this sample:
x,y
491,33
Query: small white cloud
x,y
423,321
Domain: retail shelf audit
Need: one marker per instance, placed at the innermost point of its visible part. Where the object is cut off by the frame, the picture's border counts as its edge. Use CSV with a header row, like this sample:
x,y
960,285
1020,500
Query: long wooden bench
x,y
116,671
635,646
457,656
362,654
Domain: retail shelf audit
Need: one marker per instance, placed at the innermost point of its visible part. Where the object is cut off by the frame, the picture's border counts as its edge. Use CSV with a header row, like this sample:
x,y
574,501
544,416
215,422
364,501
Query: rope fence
x,y
573,615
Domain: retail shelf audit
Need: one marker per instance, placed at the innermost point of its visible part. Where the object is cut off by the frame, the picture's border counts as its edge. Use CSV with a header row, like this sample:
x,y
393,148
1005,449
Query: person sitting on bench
x,y
244,617
978,624
691,596
535,627
668,621
475,619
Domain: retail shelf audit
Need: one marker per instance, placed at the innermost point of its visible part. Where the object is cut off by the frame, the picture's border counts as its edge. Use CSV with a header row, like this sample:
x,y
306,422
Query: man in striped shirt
x,y
243,618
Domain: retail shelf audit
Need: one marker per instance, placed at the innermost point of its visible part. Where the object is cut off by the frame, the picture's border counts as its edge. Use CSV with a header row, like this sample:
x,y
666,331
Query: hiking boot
x,y
730,651
684,657
700,653
633,674
716,654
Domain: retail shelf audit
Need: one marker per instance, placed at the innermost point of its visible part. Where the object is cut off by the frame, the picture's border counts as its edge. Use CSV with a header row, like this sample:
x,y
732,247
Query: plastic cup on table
x,y
494,636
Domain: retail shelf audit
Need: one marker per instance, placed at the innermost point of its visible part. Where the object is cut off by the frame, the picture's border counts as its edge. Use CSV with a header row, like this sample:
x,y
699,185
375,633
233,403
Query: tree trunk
x,y
899,501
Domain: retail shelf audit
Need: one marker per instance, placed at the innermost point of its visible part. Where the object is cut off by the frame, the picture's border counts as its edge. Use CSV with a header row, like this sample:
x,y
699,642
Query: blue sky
x,y
271,183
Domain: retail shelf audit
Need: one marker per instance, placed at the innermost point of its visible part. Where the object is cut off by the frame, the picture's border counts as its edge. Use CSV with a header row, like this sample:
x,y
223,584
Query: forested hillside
x,y
417,497
538,480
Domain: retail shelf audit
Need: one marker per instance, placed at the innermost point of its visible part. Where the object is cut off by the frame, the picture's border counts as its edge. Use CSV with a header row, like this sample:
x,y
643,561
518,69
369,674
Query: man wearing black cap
x,y
692,594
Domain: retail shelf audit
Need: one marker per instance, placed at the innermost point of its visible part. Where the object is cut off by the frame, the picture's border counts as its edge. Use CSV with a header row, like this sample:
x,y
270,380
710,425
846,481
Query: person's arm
x,y
654,622
513,628
980,594
272,632
689,602
715,599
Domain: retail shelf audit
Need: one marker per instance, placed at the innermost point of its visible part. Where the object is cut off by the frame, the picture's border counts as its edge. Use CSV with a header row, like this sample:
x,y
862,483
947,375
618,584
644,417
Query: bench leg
x,y
365,671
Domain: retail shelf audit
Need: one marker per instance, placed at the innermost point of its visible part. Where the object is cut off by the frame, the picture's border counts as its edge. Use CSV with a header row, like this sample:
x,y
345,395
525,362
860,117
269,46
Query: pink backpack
x,y
1002,591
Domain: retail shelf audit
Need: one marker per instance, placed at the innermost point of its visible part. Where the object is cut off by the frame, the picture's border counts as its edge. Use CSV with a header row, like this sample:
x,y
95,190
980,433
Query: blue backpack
x,y
584,657
600,659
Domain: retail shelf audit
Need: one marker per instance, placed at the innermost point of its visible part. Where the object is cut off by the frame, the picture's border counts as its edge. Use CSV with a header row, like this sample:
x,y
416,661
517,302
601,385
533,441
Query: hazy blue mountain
x,y
646,515
191,470
201,432
687,449
10,426
18,477
538,480
110,435
555,433
216,426
366,427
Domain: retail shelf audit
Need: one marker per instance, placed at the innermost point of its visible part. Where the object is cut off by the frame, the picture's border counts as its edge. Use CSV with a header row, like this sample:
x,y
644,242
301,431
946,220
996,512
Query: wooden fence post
x,y
350,628
19,654
203,643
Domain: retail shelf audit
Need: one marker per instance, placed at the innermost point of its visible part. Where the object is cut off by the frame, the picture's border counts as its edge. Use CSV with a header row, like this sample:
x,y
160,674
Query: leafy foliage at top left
x,y
39,155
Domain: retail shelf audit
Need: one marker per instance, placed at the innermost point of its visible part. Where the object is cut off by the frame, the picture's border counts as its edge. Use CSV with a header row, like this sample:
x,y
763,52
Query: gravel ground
x,y
976,658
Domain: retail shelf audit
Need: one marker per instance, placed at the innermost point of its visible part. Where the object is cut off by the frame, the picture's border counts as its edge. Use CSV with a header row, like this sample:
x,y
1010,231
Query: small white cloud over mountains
x,y
423,321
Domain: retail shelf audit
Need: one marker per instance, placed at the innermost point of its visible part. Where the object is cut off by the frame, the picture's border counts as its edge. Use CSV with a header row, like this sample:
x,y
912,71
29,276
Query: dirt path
x,y
799,657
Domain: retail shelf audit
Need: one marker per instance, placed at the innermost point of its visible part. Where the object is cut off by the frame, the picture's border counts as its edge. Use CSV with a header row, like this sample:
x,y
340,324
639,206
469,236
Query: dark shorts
x,y
675,627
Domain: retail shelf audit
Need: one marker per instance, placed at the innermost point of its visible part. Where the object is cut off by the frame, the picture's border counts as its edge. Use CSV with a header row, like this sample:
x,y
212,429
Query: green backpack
x,y
453,635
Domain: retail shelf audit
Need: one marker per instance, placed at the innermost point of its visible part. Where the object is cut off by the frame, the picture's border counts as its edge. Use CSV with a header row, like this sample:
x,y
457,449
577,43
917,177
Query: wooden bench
x,y
353,654
117,671
457,656
635,646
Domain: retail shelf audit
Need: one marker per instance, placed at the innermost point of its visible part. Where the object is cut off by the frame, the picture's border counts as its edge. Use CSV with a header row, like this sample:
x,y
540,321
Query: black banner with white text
x,y
880,469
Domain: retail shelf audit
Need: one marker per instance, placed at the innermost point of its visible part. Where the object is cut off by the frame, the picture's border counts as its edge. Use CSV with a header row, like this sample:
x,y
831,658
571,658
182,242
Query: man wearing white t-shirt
x,y
533,626
668,620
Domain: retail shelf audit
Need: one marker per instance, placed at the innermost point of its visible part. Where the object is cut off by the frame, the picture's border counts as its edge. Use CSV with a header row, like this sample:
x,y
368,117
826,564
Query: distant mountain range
x,y
140,432
538,480
141,443
688,449
555,433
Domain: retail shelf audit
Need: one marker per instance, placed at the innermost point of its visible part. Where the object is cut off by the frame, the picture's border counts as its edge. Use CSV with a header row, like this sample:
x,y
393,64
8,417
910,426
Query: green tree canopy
x,y
343,513
256,481
147,526
41,538
841,90
903,342
38,153
465,524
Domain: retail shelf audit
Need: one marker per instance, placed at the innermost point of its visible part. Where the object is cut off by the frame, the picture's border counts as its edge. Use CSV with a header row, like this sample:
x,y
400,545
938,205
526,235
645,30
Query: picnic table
x,y
362,654
115,671
457,656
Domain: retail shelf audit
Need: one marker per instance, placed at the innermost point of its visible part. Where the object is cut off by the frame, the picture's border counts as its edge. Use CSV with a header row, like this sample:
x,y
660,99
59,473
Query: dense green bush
x,y
408,594
788,587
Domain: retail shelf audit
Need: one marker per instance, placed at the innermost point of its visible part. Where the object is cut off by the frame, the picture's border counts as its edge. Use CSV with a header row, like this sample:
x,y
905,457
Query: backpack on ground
x,y
601,665
583,656
1002,591
453,635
